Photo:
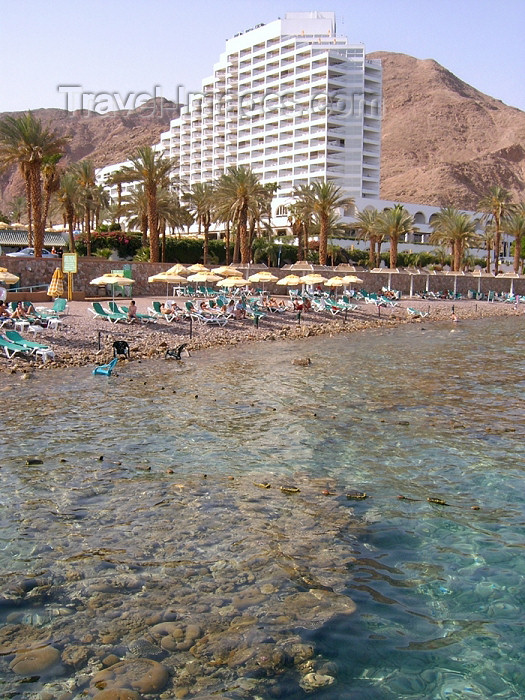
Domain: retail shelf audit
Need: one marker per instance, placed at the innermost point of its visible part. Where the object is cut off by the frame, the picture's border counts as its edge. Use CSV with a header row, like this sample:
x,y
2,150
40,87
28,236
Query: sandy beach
x,y
83,339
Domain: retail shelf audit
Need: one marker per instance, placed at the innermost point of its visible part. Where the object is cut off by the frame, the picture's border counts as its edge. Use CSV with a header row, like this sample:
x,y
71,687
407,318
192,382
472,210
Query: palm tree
x,y
239,194
68,195
514,225
25,142
455,229
152,170
50,179
324,198
84,172
118,178
394,223
301,216
16,207
487,239
366,224
200,200
135,207
494,206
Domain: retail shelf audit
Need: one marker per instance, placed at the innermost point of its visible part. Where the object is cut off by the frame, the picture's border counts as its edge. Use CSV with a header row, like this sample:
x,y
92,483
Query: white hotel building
x,y
291,100
295,102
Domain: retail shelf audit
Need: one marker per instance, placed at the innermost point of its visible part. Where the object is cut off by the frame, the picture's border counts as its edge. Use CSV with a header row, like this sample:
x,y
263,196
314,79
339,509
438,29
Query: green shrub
x,y
103,253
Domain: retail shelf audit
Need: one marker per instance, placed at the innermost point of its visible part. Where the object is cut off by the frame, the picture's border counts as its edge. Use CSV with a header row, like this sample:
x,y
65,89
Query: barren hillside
x,y
444,141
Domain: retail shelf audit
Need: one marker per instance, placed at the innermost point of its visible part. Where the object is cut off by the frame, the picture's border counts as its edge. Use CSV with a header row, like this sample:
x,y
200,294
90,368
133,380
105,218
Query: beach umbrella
x,y
7,277
302,266
351,279
334,282
428,274
512,276
228,282
289,281
386,271
204,276
56,286
262,277
198,267
112,279
227,271
167,277
178,269
314,278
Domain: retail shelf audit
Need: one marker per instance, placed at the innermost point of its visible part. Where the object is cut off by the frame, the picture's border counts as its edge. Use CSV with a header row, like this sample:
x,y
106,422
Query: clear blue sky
x,y
115,46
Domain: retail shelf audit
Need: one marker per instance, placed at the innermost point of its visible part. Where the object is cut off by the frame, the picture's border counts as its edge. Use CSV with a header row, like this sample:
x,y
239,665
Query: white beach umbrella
x,y
512,276
167,277
228,282
386,271
113,280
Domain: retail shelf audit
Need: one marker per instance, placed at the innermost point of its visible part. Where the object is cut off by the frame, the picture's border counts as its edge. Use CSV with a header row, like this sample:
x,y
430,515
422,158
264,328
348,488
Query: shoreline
x,y
76,341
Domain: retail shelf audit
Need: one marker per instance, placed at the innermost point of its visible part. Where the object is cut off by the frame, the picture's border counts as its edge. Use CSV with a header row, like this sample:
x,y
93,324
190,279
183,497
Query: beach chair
x,y
100,312
11,349
116,309
32,347
156,313
416,312
207,320
106,369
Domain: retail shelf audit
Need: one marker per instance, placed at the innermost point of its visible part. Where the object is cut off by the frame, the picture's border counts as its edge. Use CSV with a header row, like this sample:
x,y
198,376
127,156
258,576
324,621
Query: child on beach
x,y
132,312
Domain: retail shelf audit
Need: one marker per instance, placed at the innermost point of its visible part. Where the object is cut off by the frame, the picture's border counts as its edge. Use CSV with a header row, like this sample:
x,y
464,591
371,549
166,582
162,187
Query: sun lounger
x,y
32,346
106,369
11,349
416,312
100,312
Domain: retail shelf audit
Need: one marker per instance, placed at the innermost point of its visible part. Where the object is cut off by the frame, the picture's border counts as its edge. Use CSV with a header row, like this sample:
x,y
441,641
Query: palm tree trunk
x,y
36,203
205,246
27,181
153,226
487,267
497,244
144,230
372,253
87,230
323,240
236,245
244,241
227,243
393,252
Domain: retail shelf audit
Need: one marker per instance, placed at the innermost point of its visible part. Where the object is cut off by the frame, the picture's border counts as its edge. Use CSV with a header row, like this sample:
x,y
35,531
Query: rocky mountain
x,y
104,139
444,142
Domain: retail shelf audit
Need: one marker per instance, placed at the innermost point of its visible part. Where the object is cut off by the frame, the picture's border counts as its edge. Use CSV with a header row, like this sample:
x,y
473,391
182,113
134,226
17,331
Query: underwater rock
x,y
144,675
301,361
34,661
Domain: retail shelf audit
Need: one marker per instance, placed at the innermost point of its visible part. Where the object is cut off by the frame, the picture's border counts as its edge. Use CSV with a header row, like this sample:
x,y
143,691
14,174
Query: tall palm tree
x,y
455,229
50,179
84,172
200,201
135,207
487,240
494,205
366,224
324,198
25,142
514,225
67,197
152,170
16,207
394,223
301,215
118,178
239,194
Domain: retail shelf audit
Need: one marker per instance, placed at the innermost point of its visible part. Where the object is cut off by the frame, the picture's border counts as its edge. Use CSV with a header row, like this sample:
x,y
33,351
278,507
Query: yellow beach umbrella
x,y
112,279
289,281
204,276
177,269
263,276
334,282
198,267
167,277
56,286
7,277
227,271
314,278
351,279
232,282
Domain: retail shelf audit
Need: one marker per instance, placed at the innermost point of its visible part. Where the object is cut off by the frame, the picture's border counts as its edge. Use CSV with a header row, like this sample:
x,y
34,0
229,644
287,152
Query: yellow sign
x,y
70,262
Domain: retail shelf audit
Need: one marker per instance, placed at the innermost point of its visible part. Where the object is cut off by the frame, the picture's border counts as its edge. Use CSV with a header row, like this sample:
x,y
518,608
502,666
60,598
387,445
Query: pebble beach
x,y
82,339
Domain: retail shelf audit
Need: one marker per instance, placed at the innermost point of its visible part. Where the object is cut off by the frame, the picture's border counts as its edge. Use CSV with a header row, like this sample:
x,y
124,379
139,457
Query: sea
x,y
332,518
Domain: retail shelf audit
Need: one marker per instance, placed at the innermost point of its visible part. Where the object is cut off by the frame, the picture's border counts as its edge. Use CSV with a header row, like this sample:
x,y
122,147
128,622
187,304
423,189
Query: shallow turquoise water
x,y
420,412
